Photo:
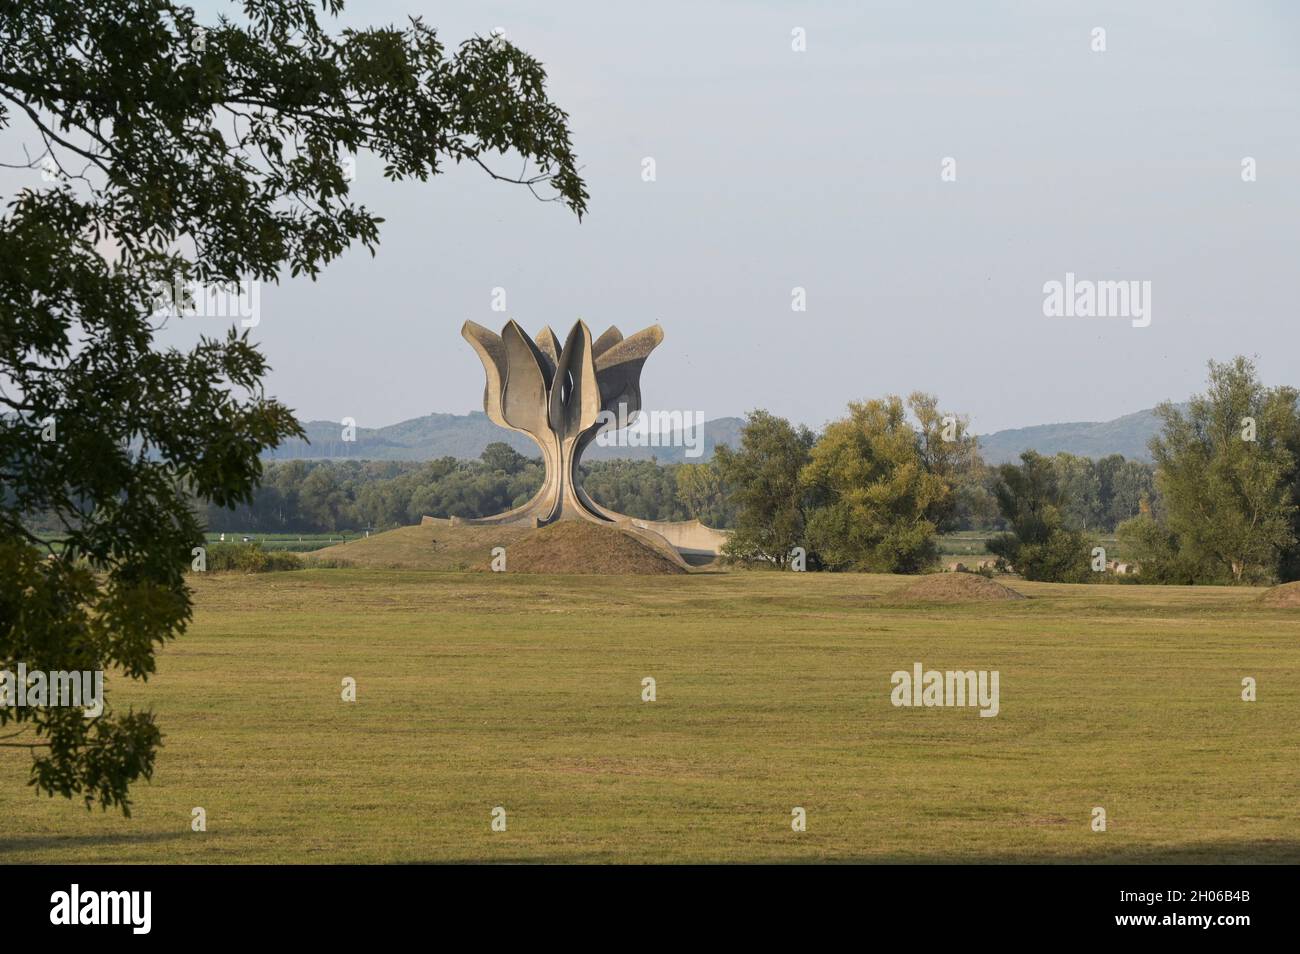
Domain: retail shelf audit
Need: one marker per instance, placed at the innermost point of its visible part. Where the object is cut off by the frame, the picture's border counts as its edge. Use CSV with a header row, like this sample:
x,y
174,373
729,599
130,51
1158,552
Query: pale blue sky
x,y
821,169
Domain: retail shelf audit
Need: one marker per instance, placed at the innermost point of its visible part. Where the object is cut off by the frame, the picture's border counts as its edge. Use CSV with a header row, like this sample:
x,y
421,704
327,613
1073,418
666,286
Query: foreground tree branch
x,y
210,153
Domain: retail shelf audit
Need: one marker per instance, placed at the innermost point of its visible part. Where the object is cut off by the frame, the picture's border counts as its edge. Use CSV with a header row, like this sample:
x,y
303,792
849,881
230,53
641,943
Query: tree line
x,y
875,489
331,496
1220,504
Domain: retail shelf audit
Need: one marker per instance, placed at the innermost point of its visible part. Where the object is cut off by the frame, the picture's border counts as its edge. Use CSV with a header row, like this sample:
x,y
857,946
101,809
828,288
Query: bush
x,y
1063,557
846,538
277,560
1160,558
250,558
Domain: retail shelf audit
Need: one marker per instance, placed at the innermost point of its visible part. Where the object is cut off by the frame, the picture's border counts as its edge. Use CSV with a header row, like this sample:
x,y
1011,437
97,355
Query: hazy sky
x,y
821,169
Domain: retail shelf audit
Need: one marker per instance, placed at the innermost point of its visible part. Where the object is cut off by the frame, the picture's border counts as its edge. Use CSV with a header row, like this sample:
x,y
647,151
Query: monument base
x,y
689,540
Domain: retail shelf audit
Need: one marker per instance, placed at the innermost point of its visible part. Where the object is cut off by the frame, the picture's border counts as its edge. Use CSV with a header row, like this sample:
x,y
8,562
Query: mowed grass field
x,y
478,690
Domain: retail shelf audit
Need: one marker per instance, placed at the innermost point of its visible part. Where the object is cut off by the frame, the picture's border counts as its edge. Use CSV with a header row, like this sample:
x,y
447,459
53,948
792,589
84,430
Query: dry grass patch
x,y
579,546
954,588
429,546
1287,595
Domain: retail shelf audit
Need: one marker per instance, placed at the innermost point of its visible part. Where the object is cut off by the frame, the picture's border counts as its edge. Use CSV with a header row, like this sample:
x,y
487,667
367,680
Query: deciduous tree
x,y
883,487
769,496
182,152
1039,546
1226,471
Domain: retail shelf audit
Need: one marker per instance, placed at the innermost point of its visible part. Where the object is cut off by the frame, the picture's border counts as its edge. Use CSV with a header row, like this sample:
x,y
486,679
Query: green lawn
x,y
478,690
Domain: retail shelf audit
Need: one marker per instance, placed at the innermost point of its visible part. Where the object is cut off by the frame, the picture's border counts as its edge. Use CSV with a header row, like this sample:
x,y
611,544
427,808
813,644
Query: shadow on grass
x,y
10,843
1271,852
1210,853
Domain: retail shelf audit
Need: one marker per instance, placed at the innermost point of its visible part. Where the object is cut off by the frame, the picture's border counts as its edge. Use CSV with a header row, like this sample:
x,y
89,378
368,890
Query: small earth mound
x,y
954,588
578,546
1286,595
436,545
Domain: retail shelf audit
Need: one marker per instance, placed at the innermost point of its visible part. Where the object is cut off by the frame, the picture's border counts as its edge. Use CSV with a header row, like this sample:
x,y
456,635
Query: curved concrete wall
x,y
687,536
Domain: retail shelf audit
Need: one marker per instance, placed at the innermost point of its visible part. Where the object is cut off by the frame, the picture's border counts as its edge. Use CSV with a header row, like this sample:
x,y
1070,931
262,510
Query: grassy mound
x,y
431,546
954,588
578,546
1286,595
573,546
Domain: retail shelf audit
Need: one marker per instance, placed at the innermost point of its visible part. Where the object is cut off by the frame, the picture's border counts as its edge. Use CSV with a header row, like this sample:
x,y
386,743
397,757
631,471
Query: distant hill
x,y
465,436
1127,435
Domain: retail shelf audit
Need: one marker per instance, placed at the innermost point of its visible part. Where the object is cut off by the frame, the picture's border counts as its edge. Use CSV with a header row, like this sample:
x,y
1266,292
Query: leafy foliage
x,y
1156,550
768,492
181,154
948,452
704,494
1229,485
1039,545
327,496
883,487
249,558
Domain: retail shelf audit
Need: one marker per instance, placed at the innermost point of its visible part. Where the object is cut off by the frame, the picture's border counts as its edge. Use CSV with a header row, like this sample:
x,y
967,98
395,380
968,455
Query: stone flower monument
x,y
555,394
